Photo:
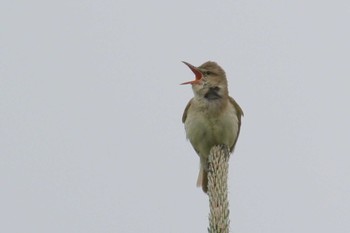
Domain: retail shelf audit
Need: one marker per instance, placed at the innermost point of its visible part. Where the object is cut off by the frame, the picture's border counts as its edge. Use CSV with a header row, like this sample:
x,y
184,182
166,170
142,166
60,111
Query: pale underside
x,y
206,128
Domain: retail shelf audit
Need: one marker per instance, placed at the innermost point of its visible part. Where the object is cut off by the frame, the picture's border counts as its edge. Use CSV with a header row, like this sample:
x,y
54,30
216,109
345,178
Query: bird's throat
x,y
213,94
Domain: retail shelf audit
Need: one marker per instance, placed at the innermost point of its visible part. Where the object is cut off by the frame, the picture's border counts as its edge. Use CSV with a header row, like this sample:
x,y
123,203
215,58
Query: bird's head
x,y
210,81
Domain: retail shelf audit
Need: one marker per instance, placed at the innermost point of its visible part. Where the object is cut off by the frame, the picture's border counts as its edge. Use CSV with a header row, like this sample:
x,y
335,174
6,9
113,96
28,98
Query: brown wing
x,y
184,116
239,116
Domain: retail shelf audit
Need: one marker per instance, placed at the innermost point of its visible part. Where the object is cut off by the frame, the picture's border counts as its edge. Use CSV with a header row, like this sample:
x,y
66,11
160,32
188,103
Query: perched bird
x,y
211,117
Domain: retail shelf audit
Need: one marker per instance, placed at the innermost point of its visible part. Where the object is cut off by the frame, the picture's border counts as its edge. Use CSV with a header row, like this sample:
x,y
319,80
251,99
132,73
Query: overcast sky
x,y
91,138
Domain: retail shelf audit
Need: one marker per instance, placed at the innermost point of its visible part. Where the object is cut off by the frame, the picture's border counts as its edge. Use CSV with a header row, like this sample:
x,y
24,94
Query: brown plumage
x,y
211,117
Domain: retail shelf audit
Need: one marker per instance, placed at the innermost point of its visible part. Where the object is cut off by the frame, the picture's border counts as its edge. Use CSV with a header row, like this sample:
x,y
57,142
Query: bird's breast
x,y
205,129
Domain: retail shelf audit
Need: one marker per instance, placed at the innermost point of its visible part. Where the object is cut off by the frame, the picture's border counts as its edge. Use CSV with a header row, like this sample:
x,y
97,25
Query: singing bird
x,y
211,117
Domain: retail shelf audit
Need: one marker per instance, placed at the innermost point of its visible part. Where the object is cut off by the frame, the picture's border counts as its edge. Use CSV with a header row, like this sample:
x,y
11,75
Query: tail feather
x,y
202,180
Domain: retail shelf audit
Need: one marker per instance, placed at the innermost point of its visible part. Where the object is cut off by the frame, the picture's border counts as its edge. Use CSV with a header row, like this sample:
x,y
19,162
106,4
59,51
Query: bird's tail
x,y
202,180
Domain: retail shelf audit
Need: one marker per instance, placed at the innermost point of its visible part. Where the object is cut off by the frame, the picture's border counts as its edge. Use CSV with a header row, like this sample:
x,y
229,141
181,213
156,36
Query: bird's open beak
x,y
196,72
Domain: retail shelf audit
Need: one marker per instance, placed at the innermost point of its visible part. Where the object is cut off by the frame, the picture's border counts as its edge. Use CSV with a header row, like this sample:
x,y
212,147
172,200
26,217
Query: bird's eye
x,y
207,73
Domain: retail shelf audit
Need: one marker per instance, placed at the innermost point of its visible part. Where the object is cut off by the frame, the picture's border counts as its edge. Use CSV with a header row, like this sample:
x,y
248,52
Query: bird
x,y
211,117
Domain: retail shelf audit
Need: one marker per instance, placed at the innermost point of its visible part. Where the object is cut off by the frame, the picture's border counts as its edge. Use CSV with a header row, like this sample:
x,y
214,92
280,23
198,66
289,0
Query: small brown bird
x,y
211,117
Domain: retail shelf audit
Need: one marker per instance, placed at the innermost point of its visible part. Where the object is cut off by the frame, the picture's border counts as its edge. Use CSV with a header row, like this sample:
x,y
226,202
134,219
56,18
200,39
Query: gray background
x,y
91,138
